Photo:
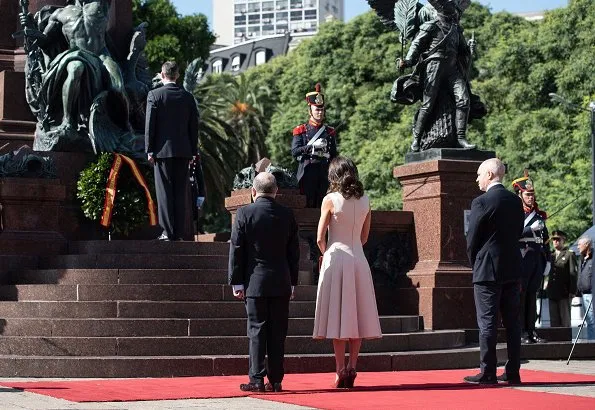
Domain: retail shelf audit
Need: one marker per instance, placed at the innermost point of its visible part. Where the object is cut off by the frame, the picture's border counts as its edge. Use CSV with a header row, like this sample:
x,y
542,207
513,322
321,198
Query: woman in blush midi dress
x,y
346,303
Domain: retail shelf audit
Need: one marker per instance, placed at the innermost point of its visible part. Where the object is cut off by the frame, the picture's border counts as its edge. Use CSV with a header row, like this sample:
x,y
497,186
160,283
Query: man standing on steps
x,y
495,226
263,269
171,141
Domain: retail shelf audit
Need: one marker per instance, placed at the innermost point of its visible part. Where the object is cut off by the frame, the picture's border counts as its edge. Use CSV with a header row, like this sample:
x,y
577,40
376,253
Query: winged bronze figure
x,y
440,57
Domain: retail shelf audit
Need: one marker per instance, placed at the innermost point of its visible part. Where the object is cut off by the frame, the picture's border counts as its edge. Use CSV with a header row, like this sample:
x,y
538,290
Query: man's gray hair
x,y
170,69
585,239
265,183
496,167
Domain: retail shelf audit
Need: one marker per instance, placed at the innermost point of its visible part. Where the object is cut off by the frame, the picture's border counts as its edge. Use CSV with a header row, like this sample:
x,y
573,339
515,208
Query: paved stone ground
x,y
11,399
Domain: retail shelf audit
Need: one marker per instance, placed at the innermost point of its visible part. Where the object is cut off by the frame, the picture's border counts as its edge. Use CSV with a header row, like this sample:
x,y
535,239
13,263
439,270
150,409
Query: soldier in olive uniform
x,y
314,145
536,256
561,286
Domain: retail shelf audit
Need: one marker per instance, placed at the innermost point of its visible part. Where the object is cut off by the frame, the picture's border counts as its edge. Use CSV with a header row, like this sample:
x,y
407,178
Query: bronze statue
x,y
441,58
74,86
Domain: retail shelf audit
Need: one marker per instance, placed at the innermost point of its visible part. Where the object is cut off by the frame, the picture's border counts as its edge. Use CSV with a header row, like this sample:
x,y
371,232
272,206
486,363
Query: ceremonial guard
x,y
562,281
314,145
536,256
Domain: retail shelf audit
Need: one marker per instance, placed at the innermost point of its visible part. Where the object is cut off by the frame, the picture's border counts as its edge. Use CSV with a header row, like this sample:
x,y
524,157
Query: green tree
x,y
171,36
518,63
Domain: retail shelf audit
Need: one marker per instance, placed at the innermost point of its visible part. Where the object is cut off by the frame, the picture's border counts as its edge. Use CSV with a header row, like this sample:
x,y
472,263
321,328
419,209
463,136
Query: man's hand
x,y
239,294
403,64
537,225
151,159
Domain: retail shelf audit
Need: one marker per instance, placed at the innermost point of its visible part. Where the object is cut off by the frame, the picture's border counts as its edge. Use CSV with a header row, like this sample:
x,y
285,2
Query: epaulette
x,y
300,129
331,131
428,26
542,214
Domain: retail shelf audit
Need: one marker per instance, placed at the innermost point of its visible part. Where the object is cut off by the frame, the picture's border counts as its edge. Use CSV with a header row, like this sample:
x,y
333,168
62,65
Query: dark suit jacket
x,y
171,128
495,226
264,251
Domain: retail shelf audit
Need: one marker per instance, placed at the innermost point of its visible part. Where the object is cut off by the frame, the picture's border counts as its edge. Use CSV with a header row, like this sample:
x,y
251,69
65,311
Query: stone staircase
x,y
150,309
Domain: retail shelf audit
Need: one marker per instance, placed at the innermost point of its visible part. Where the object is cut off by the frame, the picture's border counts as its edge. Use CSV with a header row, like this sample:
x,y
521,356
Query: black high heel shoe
x,y
340,382
350,379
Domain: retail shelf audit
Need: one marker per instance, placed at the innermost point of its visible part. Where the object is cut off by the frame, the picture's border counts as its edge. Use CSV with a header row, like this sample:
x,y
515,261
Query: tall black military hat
x,y
523,184
316,97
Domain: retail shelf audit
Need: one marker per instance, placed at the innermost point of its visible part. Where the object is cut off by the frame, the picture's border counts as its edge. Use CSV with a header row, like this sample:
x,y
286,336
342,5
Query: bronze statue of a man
x,y
79,83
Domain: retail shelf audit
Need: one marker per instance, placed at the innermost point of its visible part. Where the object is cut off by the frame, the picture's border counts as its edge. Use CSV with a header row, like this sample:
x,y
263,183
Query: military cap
x,y
523,184
557,234
316,97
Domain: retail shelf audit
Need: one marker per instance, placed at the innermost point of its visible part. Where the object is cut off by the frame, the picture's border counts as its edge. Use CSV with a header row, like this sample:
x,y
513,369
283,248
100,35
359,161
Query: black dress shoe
x,y
526,339
481,379
538,339
273,387
513,380
258,387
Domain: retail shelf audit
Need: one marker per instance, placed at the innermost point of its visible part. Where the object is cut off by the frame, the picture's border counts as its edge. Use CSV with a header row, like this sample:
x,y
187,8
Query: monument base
x,y
458,154
438,191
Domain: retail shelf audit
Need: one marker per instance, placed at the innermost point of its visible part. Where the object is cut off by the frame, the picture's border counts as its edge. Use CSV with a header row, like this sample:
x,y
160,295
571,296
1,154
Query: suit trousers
x,y
267,329
491,298
559,312
528,311
172,189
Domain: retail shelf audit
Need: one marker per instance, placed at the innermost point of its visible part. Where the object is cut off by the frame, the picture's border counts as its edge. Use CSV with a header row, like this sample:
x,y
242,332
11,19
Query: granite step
x,y
117,327
133,261
120,276
140,261
82,293
218,365
140,309
208,345
148,247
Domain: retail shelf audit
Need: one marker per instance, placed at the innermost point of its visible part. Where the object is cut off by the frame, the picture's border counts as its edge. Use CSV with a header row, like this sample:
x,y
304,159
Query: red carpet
x,y
419,389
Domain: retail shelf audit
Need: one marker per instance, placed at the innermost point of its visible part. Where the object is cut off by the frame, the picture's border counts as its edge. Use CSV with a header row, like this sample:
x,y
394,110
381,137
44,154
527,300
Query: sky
x,y
356,7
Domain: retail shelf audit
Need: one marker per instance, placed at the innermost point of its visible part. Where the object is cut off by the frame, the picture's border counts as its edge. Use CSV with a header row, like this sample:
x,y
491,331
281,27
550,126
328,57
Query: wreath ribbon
x,y
112,183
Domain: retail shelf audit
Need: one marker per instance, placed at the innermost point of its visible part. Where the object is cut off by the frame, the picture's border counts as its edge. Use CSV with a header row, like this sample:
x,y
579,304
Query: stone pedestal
x,y
17,124
438,192
30,216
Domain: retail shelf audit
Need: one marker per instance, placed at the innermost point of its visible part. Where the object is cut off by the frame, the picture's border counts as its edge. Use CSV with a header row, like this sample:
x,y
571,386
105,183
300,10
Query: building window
x,y
310,15
268,30
254,19
240,20
282,18
268,5
309,4
236,63
296,16
282,28
240,8
254,31
281,5
296,4
268,18
261,57
218,67
253,7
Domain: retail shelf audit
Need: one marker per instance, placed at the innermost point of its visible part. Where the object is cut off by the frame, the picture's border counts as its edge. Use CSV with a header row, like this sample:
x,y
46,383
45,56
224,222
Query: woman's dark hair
x,y
343,178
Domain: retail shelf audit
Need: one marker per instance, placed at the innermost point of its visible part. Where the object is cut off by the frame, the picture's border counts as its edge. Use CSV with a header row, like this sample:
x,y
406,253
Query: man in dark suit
x,y
171,141
263,269
495,226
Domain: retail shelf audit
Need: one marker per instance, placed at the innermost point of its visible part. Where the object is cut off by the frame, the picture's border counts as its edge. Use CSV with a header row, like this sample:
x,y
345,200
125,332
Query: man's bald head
x,y
264,184
491,170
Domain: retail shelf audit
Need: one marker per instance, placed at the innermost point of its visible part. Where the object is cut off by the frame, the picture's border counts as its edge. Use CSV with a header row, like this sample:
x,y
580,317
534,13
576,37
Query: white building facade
x,y
237,21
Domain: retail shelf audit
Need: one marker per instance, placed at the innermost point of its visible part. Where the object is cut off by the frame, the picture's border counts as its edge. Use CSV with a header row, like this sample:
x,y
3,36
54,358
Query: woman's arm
x,y
366,227
326,210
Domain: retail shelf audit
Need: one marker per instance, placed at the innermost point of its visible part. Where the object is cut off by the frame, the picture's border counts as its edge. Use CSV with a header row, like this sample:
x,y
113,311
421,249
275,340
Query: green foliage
x,y
171,36
130,208
518,63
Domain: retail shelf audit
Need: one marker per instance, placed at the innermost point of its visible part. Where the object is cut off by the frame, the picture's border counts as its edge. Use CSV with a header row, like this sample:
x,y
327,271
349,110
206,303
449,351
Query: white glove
x,y
537,225
319,143
548,267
